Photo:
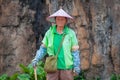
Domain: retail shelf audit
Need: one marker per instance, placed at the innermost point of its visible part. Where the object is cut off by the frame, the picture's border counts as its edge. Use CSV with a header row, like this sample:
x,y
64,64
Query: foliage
x,y
23,77
13,77
27,73
115,77
96,78
4,77
80,76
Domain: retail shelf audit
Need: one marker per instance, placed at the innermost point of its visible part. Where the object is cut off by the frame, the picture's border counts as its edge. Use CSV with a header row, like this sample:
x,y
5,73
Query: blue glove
x,y
39,55
34,63
76,61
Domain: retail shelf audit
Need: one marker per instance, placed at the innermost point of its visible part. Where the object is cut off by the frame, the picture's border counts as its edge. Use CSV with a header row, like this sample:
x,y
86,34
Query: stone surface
x,y
83,44
96,59
85,64
10,13
17,40
82,33
97,25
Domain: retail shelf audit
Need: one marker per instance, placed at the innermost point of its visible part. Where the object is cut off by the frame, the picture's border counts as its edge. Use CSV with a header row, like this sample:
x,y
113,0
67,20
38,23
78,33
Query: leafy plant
x,y
80,76
4,77
96,78
115,77
24,77
13,77
27,73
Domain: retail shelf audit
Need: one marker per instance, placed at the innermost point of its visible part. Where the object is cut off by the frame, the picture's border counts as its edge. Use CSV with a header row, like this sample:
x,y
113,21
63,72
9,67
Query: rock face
x,y
17,40
23,24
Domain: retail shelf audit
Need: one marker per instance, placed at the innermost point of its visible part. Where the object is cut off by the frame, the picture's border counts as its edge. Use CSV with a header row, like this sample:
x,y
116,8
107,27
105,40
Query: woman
x,y
68,57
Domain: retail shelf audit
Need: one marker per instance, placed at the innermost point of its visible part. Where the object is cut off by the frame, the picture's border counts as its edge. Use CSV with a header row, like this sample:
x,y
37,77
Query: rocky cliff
x,y
23,25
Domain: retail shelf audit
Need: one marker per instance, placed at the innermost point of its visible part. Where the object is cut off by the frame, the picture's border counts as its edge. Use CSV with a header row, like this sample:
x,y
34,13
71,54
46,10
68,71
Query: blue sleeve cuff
x,y
40,53
76,61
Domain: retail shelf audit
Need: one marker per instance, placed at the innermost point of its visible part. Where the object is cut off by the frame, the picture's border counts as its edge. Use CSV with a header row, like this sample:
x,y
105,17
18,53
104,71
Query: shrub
x,y
115,77
27,73
80,76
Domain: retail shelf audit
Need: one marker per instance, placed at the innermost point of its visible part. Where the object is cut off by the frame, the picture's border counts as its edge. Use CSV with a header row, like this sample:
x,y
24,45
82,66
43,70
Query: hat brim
x,y
61,13
52,19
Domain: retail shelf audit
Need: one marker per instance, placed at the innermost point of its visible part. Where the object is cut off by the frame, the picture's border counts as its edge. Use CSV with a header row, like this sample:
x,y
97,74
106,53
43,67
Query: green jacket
x,y
70,40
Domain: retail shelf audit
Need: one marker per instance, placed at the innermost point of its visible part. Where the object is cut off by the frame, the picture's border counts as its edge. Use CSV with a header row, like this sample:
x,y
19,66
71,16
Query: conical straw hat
x,y
60,12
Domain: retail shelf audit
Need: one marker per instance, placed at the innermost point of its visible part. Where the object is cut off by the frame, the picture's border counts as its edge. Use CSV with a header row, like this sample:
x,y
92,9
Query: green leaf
x,y
80,76
14,76
4,77
24,68
117,76
31,70
41,74
113,77
23,77
40,63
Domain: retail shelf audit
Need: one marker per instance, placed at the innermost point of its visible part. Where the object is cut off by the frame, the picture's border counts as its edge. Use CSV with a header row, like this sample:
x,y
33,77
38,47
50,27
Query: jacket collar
x,y
65,31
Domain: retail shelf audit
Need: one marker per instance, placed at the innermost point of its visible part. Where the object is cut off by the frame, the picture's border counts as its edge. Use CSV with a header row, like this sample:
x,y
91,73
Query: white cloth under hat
x,y
61,13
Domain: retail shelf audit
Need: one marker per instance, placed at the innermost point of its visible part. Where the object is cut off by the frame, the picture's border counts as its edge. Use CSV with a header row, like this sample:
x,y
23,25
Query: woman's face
x,y
61,21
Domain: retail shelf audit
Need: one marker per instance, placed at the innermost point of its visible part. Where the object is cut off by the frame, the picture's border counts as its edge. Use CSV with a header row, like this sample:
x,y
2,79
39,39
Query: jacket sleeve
x,y
40,53
76,61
